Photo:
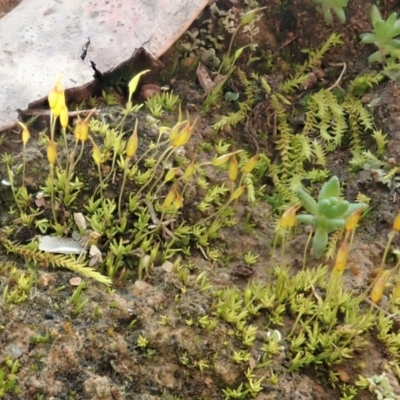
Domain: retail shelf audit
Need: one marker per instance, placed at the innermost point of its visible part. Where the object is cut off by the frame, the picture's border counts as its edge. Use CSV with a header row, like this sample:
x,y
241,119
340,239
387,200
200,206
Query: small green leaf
x,y
340,14
368,38
375,15
306,219
320,241
324,205
307,201
330,188
332,225
338,209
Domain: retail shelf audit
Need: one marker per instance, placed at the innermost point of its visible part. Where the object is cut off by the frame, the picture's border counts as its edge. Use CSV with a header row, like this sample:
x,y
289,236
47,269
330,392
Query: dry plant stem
x,y
294,326
391,236
79,156
340,76
19,220
222,208
113,171
283,247
306,248
121,193
52,193
23,163
100,181
167,153
11,179
71,114
52,126
373,305
64,133
160,176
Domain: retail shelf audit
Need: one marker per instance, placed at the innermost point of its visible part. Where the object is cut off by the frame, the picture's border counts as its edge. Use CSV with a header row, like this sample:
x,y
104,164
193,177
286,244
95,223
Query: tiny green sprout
x,y
327,215
25,282
76,297
201,281
79,307
184,359
41,338
241,356
189,322
184,289
249,335
383,36
202,364
161,102
254,386
336,5
204,321
239,393
142,342
273,378
8,377
250,258
97,311
132,324
163,320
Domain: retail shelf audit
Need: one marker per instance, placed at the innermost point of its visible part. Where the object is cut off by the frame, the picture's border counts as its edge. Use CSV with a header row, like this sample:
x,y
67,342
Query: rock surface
x,y
39,39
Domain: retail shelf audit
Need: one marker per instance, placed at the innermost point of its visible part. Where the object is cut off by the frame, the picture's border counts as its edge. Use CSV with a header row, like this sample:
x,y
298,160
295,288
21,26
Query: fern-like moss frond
x,y
316,56
55,260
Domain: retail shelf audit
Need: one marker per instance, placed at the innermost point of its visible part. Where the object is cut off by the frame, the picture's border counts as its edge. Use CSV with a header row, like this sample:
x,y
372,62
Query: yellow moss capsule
x,y
221,160
251,164
190,170
341,258
82,128
169,199
56,97
379,286
396,223
233,168
238,192
184,135
175,130
133,141
81,131
25,133
352,220
51,152
170,174
288,219
178,201
64,116
96,153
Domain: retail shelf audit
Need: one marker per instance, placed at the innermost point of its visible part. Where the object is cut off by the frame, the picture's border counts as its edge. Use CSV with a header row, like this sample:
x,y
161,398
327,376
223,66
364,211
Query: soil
x,y
98,352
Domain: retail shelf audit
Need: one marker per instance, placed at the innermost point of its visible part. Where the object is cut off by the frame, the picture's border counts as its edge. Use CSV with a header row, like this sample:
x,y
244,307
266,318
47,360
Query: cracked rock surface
x,y
40,39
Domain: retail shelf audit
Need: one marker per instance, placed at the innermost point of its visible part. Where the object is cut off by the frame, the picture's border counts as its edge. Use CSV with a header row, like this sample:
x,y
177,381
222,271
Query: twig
x,y
46,113
338,79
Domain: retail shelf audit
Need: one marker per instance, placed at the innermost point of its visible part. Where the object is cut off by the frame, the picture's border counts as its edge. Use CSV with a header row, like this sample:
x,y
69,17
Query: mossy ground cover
x,y
200,282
